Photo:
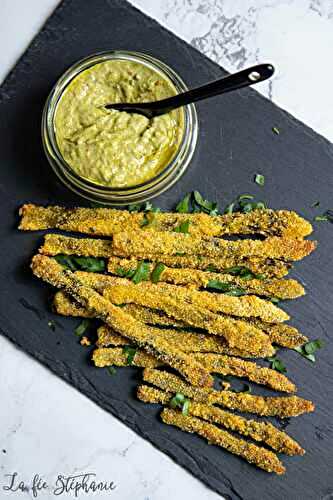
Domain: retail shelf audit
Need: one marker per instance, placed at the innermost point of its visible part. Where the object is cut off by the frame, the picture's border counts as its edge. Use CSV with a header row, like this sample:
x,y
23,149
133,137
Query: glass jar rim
x,y
116,195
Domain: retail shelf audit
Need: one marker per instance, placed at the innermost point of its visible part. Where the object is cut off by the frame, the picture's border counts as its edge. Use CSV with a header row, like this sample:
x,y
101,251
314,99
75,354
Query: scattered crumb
x,y
85,341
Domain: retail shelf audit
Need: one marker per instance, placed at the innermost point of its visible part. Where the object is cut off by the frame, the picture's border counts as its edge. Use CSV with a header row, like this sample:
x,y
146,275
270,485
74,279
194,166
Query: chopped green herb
x,y
51,324
259,179
308,350
244,273
148,207
141,272
235,270
244,202
218,285
135,207
275,300
82,327
184,206
145,221
247,206
276,130
329,215
90,264
157,271
179,401
66,261
229,208
209,207
180,254
130,353
125,273
245,197
326,217
321,218
186,407
143,207
315,204
183,227
276,364
111,370
148,219
211,269
225,288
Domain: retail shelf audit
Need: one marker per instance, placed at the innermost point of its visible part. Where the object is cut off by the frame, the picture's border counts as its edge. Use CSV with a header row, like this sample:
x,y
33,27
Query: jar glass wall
x,y
162,181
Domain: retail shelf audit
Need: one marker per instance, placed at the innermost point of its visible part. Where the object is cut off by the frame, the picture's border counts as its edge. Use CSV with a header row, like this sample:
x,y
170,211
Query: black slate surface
x,y
236,140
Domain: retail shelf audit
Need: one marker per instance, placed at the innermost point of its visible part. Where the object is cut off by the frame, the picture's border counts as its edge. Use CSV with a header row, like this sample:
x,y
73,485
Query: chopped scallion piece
x,y
259,179
111,370
90,264
184,206
141,272
308,350
130,353
157,271
183,227
82,327
276,364
179,401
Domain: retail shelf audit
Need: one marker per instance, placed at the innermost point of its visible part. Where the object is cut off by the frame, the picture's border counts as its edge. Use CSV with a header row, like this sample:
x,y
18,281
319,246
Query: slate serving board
x,y
236,140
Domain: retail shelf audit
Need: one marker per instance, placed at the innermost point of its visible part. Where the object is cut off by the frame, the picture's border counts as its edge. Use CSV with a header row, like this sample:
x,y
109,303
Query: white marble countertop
x,y
69,434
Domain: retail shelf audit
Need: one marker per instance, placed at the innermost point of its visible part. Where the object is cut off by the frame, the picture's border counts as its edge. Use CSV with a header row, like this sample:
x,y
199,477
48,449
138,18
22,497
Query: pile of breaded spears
x,y
186,297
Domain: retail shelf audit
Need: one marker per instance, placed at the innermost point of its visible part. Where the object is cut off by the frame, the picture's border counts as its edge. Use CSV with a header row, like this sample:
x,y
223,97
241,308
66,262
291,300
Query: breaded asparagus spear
x,y
50,271
286,406
265,459
280,334
215,363
163,243
244,307
187,341
64,305
115,356
238,333
105,221
106,337
271,268
229,365
262,432
248,306
279,288
59,244
55,244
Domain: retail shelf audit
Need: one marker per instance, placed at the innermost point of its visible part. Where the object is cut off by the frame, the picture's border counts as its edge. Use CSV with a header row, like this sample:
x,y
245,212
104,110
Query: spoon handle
x,y
244,78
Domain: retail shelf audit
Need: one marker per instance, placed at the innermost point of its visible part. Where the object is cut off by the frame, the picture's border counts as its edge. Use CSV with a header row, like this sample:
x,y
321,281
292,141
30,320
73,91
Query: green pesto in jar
x,y
114,148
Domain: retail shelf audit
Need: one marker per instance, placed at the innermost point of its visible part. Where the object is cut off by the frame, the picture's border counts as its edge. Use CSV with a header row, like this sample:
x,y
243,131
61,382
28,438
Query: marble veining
x,y
295,35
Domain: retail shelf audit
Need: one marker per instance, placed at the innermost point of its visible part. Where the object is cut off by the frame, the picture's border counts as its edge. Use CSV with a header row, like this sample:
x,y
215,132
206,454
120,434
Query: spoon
x,y
244,78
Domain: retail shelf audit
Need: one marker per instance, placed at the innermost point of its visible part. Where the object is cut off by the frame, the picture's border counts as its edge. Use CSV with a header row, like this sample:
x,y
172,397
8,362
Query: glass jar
x,y
121,195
